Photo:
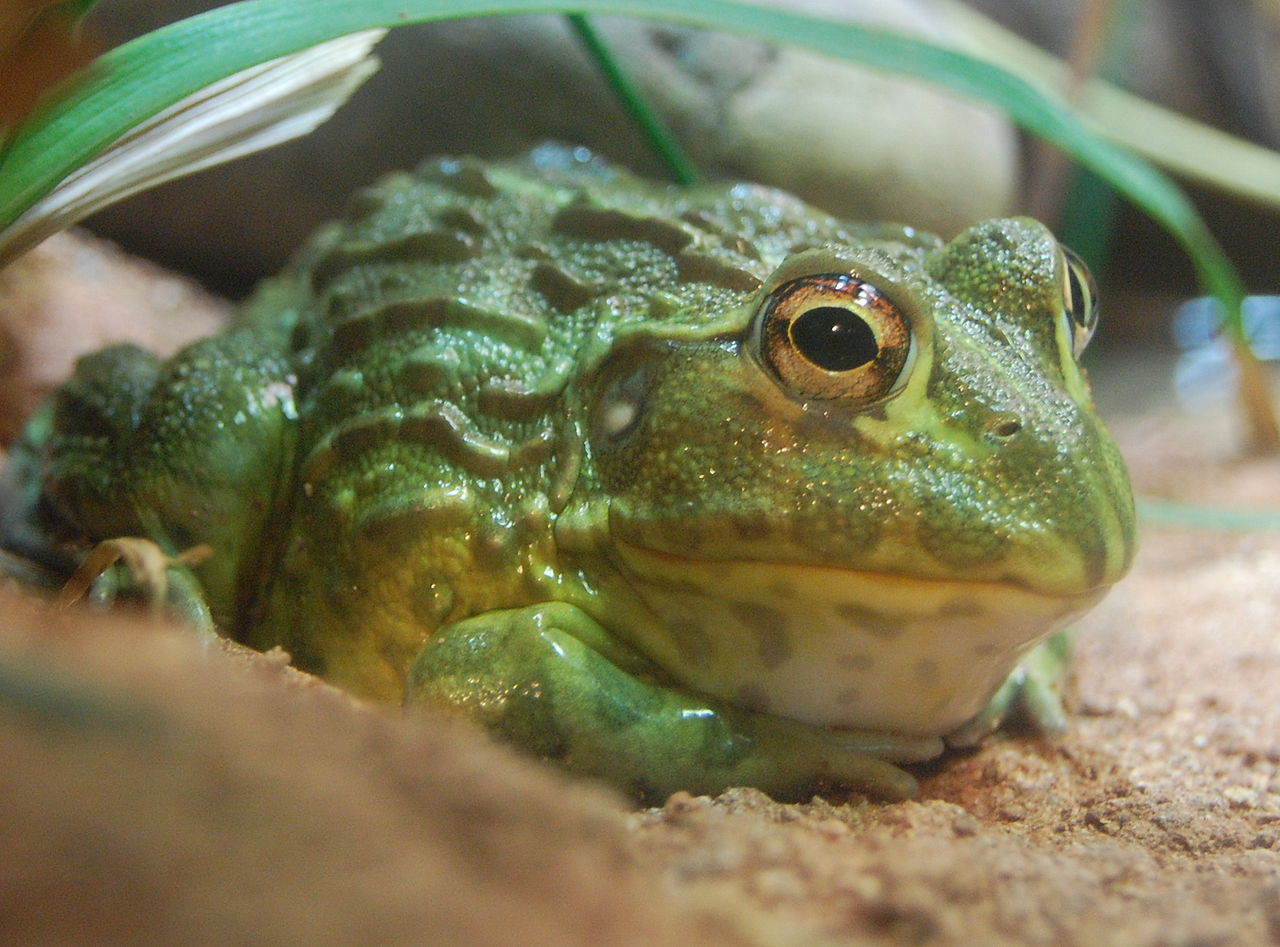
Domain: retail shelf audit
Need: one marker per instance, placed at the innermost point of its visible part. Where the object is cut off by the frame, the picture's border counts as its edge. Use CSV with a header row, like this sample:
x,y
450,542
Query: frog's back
x,y
449,318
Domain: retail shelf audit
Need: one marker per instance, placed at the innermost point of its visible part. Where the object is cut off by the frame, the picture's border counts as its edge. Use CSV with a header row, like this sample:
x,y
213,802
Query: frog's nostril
x,y
1005,427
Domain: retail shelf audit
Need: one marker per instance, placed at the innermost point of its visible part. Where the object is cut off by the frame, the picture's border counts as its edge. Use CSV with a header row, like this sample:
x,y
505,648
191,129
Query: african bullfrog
x,y
685,488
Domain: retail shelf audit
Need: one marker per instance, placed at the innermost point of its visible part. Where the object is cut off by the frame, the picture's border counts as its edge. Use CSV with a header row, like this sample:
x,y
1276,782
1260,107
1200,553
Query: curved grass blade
x,y
132,83
256,108
1169,140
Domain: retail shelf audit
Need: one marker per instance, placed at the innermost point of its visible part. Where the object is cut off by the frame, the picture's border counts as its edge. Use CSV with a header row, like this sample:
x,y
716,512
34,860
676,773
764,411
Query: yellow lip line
x,y
888,578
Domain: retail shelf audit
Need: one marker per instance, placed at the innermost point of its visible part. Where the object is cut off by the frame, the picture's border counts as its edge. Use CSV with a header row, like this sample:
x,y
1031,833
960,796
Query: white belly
x,y
837,647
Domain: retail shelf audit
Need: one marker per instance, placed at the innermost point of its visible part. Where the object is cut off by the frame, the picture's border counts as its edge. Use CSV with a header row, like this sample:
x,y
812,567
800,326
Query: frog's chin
x,y
834,646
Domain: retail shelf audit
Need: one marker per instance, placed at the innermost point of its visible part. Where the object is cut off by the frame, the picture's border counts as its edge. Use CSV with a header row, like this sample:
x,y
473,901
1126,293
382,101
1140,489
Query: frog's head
x,y
866,491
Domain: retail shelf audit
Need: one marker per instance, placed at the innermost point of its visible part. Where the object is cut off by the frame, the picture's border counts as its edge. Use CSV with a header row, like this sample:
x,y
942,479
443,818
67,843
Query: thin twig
x,y
1256,399
1052,167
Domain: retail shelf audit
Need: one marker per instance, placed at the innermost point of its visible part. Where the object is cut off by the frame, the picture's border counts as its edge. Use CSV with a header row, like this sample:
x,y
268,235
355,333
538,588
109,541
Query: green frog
x,y
682,487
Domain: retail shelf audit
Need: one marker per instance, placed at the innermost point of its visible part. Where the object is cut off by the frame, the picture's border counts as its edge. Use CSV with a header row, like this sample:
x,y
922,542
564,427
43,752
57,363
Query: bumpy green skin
x,y
505,440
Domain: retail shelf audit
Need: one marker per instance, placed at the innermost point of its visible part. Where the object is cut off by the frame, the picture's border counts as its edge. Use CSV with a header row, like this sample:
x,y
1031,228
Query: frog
x,y
683,488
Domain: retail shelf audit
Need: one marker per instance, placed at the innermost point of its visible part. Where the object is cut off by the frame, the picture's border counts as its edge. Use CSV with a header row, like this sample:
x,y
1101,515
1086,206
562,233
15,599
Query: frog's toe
x,y
893,747
865,760
871,775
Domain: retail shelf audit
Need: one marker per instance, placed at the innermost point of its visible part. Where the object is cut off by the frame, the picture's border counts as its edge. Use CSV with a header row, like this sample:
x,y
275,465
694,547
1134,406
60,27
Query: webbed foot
x,y
550,679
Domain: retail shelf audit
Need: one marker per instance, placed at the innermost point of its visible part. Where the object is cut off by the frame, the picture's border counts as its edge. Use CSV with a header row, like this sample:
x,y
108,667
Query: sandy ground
x,y
154,791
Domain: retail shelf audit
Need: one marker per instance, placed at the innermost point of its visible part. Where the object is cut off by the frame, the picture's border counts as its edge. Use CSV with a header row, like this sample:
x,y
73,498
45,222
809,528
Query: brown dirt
x,y
1155,820
152,792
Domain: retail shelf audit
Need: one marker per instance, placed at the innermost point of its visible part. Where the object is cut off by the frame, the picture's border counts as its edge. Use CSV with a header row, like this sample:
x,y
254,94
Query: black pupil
x,y
1077,301
833,338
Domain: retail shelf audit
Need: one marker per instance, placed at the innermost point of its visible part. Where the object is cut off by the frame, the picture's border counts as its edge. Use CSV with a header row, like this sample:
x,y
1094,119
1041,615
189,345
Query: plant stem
x,y
1256,400
633,102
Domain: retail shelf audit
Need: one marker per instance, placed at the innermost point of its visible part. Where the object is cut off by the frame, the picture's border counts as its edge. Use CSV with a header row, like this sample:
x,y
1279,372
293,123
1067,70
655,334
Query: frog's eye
x,y
835,336
1079,301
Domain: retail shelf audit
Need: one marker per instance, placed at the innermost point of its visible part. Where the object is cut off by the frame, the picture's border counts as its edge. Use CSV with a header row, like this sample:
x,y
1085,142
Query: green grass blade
x,y
1177,513
256,108
135,81
633,103
1172,141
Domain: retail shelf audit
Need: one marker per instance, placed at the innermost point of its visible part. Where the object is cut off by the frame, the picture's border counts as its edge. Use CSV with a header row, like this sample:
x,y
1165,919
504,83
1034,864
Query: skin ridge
x,y
403,367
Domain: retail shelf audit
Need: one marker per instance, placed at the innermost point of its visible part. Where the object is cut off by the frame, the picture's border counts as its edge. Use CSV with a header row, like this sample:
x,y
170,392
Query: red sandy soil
x,y
155,791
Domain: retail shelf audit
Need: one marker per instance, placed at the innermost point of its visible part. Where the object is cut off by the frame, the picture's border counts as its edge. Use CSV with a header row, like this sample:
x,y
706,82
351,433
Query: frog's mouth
x,y
837,646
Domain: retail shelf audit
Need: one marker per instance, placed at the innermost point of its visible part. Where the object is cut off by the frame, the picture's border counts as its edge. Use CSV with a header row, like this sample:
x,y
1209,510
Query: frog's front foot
x,y
549,678
1032,691
140,568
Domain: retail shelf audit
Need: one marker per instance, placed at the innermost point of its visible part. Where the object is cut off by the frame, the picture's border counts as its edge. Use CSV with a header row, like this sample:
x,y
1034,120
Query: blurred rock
x,y
855,141
74,294
156,792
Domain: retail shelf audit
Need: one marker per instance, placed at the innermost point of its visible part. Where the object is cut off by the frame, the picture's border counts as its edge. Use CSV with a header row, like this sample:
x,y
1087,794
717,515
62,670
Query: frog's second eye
x,y
835,336
1079,300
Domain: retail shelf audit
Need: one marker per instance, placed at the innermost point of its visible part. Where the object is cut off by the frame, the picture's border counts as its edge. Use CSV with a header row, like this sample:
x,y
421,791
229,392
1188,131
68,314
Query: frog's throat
x,y
833,646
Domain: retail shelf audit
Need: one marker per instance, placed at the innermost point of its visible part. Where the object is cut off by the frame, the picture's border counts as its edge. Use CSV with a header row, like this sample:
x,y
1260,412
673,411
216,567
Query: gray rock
x,y
859,142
